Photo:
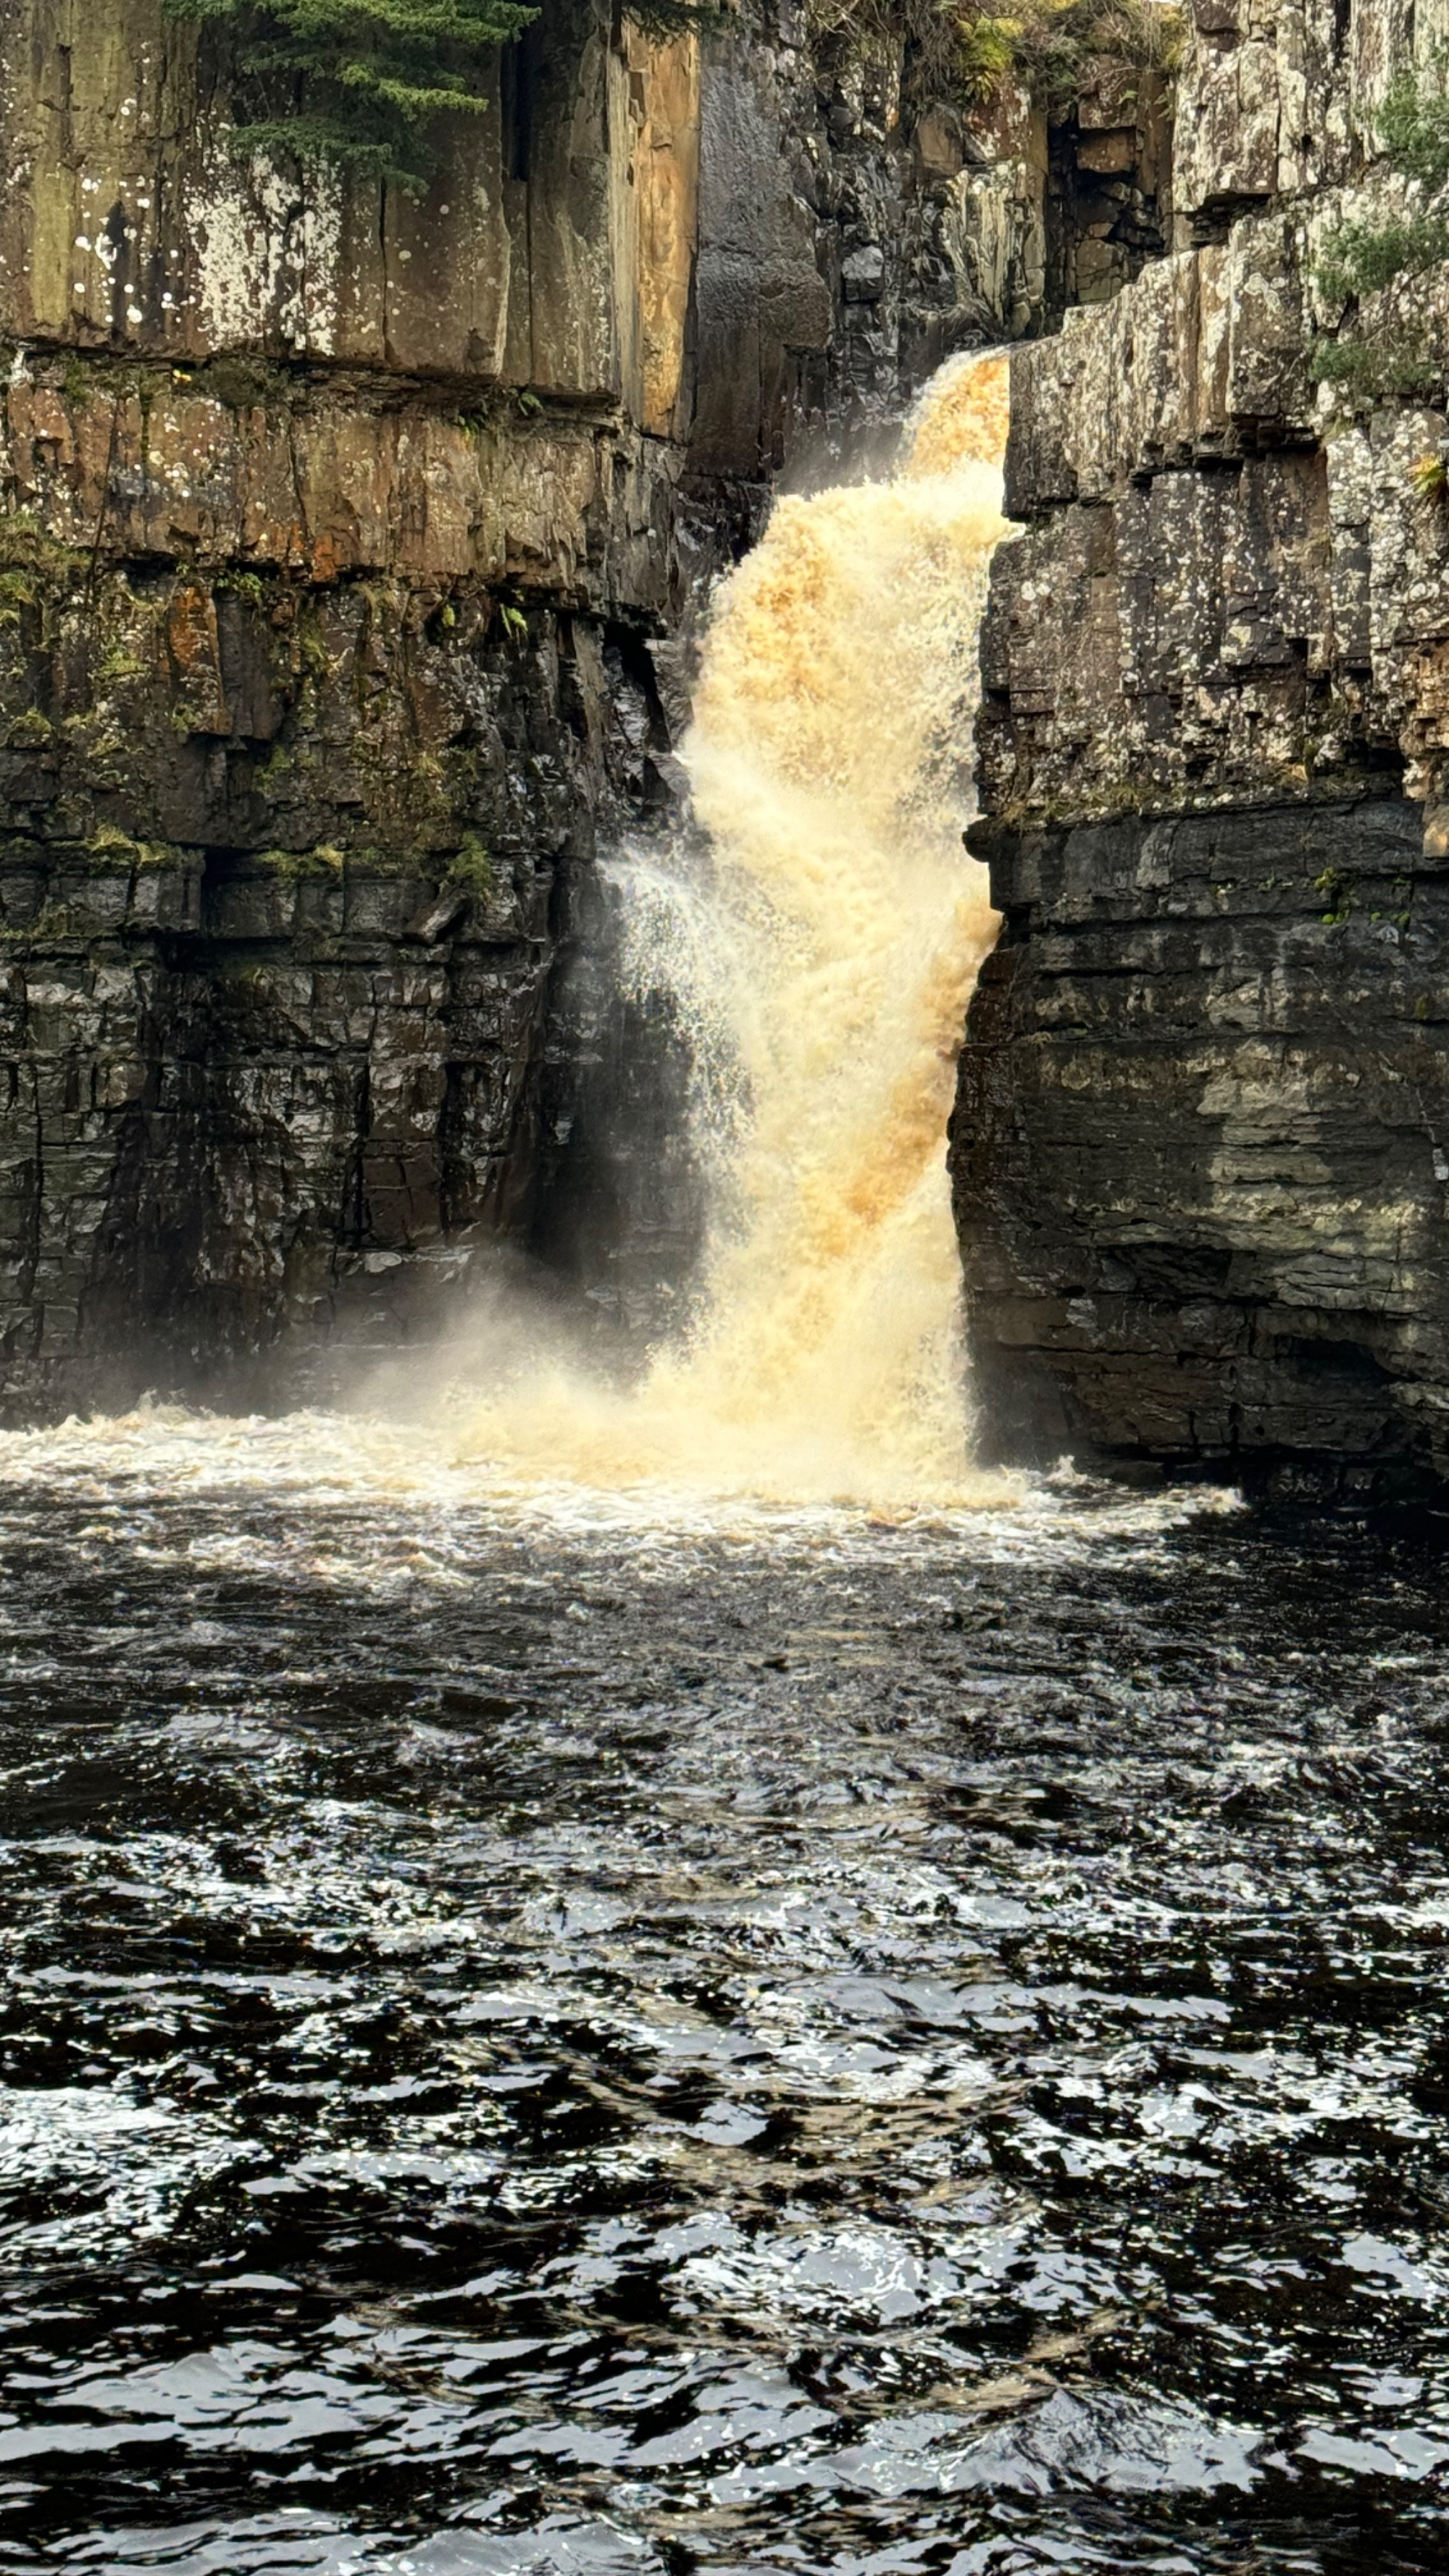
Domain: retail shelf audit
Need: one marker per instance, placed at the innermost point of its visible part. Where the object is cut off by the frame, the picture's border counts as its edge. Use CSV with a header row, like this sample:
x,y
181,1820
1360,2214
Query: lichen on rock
x,y
1199,1147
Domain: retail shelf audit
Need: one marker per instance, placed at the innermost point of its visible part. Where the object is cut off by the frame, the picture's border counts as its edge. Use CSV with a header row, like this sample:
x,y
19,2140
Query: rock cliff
x,y
1201,1149
345,539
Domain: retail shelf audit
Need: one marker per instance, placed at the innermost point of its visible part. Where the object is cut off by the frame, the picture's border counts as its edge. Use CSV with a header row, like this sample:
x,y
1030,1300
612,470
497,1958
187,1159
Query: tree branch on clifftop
x,y
364,82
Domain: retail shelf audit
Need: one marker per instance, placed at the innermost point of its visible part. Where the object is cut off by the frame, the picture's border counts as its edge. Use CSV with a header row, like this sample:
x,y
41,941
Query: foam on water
x,y
410,1487
537,2045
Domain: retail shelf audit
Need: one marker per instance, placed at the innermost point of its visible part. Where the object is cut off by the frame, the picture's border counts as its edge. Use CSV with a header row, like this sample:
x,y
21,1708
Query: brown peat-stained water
x,y
841,936
545,2038
621,1981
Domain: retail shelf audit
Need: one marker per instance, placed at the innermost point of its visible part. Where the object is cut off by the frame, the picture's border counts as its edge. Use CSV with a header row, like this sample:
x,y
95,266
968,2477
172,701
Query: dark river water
x,y
536,2041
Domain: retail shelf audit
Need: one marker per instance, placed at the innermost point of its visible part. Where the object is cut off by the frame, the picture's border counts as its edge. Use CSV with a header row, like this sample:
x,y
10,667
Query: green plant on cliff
x,y
1364,256
473,868
1333,886
667,18
1044,45
364,82
975,53
291,865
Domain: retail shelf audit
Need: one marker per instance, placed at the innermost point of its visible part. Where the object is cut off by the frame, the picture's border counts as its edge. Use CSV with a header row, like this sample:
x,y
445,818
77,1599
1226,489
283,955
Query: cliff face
x,y
343,542
1201,1148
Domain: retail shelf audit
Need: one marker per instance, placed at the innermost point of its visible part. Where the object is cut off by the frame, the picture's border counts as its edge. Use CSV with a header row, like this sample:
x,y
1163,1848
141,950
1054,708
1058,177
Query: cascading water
x,y
558,2023
830,768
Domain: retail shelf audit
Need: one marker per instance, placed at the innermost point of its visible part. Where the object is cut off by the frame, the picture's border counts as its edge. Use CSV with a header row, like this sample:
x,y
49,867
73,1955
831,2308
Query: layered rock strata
x,y
343,542
1200,1147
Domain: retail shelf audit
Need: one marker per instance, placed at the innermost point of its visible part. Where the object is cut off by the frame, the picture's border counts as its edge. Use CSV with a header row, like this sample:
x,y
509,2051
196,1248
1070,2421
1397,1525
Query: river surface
x,y
541,2037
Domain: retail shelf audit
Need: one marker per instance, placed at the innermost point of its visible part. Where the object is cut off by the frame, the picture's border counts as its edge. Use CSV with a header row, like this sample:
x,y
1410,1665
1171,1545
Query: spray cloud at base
x,y
829,762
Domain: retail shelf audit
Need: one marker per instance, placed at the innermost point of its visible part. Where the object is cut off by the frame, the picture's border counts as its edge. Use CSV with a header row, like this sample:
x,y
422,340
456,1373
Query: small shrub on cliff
x,y
1044,45
1363,257
974,52
665,18
473,870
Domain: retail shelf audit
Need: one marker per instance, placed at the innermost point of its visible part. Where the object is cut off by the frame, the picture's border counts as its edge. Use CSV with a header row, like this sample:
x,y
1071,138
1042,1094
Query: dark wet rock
x,y
351,556
1199,1148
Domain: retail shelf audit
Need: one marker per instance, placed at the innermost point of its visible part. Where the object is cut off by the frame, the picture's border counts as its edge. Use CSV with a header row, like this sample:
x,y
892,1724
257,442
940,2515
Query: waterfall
x,y
680,947
830,762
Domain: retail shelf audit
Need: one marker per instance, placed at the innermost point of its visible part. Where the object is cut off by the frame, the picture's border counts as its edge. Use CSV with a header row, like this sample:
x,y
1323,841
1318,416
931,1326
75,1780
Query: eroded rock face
x,y
1110,185
283,1049
848,243
129,224
1198,1149
346,547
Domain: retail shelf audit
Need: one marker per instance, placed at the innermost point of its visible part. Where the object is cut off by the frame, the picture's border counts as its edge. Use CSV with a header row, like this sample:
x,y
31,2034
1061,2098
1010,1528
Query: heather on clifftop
x,y
365,82
975,53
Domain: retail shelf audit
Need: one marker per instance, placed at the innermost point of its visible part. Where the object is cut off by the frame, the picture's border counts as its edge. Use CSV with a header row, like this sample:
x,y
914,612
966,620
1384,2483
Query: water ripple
x,y
537,2040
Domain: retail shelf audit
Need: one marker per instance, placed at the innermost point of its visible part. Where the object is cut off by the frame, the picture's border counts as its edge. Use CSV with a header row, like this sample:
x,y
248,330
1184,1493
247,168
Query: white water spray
x,y
830,765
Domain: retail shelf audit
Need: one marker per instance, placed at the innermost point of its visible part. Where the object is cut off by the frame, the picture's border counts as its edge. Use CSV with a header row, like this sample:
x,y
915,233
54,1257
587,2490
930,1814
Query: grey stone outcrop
x,y
1200,1145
